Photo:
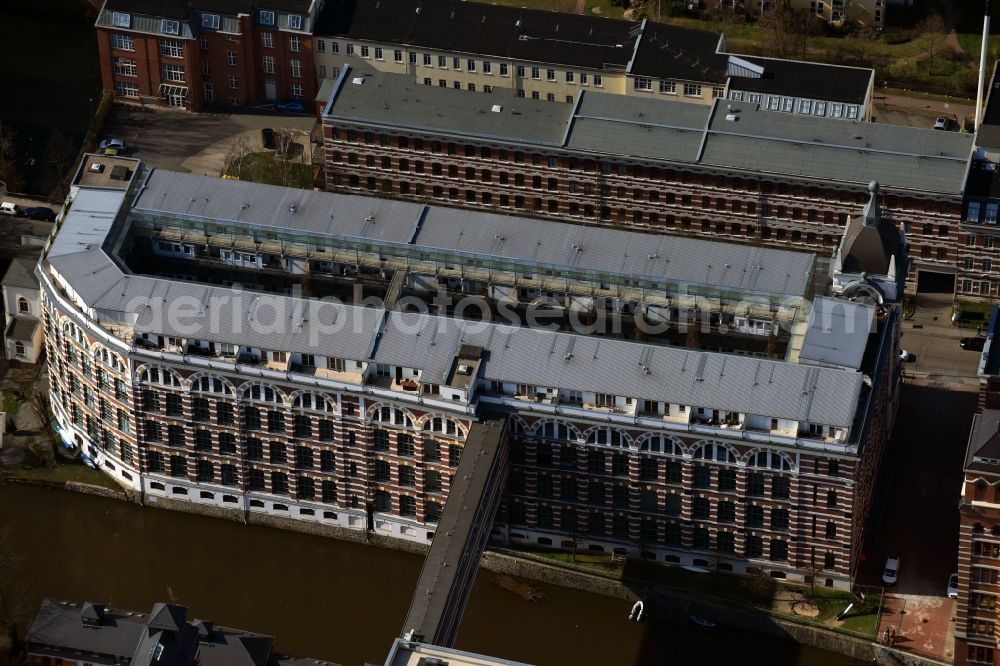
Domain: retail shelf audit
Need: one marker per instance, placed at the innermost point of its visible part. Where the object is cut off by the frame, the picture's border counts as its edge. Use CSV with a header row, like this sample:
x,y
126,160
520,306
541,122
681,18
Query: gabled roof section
x,y
21,273
870,241
167,617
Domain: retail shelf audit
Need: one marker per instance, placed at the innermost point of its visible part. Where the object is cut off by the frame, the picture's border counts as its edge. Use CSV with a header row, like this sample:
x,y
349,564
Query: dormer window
x,y
121,19
266,17
210,21
294,21
171,27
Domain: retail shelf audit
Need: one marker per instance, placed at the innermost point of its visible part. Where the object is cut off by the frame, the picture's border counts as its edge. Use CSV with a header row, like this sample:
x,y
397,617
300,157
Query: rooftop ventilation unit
x,y
497,108
464,369
358,80
96,167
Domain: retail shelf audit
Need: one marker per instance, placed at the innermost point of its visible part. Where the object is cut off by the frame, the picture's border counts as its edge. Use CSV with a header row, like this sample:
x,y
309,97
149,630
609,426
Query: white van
x,y
8,208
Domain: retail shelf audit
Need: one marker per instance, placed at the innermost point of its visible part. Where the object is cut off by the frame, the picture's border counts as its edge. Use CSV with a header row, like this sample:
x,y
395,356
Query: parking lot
x,y
930,335
196,142
915,513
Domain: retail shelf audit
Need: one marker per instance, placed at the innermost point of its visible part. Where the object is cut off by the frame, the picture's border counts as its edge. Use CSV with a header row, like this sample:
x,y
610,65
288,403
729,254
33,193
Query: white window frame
x,y
428,60
536,73
598,80
805,106
550,75
294,22
212,21
837,111
173,73
269,64
773,103
365,51
121,42
209,90
972,210
504,69
121,19
297,90
692,90
231,58
171,48
334,47
267,40
642,83
350,49
820,109
668,87
234,82
126,89
991,213
170,27
378,53
125,67
397,55
470,65
487,67
296,67
321,46
295,44
852,112
787,104
266,17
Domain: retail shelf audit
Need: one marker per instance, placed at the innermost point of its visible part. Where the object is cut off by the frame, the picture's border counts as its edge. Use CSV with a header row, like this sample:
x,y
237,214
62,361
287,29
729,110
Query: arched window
x,y
22,305
19,349
716,451
260,393
556,430
768,459
660,444
607,437
394,416
160,376
312,401
209,384
444,426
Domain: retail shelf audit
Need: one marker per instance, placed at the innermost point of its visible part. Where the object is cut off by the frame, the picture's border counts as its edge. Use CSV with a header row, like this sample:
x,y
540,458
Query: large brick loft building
x,y
202,55
727,171
195,354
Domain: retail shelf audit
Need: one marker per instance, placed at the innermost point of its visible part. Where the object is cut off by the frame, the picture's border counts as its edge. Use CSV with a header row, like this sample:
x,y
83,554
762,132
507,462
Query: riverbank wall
x,y
502,563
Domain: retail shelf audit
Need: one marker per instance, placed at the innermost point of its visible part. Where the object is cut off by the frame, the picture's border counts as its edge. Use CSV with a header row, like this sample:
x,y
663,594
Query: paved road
x,y
916,515
195,142
929,334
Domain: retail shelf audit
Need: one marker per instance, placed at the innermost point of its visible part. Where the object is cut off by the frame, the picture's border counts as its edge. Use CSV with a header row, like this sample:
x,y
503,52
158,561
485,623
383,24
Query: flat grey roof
x,y
760,141
826,396
837,332
502,237
398,100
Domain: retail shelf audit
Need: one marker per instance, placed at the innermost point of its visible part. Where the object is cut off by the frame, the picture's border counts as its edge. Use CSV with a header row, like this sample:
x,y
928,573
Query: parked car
x,y
40,213
941,123
891,571
114,143
953,586
8,208
267,138
907,357
972,344
293,106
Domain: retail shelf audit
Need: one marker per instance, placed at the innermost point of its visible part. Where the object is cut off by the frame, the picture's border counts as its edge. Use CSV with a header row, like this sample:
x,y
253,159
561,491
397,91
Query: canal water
x,y
330,599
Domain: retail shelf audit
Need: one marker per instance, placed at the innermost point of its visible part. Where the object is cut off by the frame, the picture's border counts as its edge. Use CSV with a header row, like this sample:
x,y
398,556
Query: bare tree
x,y
785,30
237,163
10,170
59,154
935,28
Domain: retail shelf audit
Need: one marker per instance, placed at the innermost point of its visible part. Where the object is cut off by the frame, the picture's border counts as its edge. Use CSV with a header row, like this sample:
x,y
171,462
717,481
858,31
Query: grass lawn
x,y
742,590
64,472
265,168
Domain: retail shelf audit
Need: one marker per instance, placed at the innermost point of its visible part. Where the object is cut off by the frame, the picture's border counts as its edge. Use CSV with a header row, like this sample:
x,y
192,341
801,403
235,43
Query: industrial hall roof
x,y
736,136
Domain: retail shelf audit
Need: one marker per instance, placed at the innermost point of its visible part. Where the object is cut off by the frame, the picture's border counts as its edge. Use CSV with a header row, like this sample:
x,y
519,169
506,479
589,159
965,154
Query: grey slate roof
x,y
504,237
21,273
984,443
22,328
125,637
515,355
811,80
661,130
837,332
535,357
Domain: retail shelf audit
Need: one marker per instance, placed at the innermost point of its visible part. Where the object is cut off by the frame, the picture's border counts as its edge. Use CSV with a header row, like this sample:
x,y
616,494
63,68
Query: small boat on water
x,y
702,621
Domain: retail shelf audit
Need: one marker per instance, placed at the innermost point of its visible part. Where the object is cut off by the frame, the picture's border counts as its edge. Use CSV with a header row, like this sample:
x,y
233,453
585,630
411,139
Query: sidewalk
x,y
924,625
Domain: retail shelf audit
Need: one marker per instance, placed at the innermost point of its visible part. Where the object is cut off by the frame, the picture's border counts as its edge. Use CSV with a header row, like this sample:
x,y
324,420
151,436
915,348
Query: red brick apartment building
x,y
730,170
202,55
